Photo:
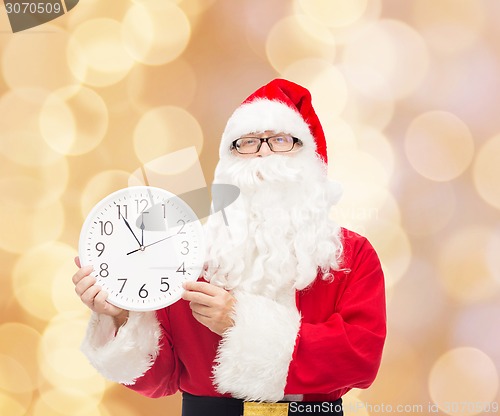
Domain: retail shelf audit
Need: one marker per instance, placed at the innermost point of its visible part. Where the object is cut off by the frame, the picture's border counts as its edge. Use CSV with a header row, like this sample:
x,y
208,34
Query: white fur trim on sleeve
x,y
254,355
128,355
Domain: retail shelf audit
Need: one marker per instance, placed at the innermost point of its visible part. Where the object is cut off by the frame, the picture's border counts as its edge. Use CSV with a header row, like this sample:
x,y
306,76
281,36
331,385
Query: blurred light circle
x,y
364,180
388,56
93,9
339,136
155,86
63,285
26,226
11,405
181,162
101,185
439,145
477,326
451,25
33,277
163,130
346,34
463,265
73,120
294,38
487,172
393,247
95,53
427,206
155,32
357,214
42,408
448,81
400,358
375,111
413,322
20,134
60,358
259,19
34,188
20,343
31,212
68,401
463,381
373,142
333,13
47,49
116,406
13,376
192,8
359,172
492,250
22,190
325,82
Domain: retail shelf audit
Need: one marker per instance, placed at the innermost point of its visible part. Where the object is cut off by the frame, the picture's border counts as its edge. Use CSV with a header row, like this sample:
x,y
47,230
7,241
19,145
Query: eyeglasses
x,y
279,143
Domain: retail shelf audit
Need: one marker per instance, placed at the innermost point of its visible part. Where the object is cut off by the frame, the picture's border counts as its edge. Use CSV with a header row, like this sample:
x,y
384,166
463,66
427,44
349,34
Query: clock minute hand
x,y
143,247
142,229
130,228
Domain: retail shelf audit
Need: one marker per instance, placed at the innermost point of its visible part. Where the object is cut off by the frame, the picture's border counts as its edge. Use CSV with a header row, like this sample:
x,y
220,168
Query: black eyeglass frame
x,y
262,140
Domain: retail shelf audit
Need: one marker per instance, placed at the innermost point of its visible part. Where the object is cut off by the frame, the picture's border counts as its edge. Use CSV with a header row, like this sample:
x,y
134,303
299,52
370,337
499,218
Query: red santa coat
x,y
336,344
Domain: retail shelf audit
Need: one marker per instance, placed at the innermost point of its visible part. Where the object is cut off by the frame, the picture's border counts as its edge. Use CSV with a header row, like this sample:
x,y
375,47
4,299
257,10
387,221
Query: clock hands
x,y
143,247
130,228
142,229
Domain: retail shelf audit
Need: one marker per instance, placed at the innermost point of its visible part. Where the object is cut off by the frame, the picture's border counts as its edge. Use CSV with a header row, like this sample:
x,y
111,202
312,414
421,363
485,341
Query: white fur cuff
x,y
128,355
254,355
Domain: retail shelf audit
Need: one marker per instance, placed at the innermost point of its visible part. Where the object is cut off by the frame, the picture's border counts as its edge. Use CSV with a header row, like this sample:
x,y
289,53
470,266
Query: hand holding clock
x,y
212,306
94,297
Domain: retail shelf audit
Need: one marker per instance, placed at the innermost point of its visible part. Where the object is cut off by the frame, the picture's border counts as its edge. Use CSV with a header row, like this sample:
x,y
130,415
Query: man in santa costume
x,y
290,312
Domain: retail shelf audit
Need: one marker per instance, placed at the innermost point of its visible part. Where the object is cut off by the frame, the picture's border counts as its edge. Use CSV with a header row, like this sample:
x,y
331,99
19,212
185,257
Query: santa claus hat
x,y
281,106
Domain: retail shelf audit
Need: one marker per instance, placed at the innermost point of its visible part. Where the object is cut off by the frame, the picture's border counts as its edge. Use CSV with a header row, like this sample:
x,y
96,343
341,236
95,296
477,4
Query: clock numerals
x,y
165,284
183,223
181,269
100,248
141,206
122,211
123,284
161,231
104,272
185,248
106,227
143,293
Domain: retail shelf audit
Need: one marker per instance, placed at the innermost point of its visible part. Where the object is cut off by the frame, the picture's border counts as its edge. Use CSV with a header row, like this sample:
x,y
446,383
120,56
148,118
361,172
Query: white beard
x,y
279,233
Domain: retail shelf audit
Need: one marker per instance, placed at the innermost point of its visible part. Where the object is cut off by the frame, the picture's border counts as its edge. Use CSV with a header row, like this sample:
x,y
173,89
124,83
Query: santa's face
x,y
278,231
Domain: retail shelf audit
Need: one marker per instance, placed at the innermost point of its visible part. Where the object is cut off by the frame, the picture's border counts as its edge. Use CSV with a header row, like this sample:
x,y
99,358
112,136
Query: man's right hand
x,y
94,297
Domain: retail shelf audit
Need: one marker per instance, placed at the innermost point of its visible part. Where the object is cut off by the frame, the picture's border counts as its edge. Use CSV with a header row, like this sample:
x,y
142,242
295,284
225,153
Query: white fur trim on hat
x,y
261,115
254,355
128,355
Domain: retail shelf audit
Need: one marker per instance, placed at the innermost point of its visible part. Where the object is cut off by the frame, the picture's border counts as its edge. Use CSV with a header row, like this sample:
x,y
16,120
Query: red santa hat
x,y
281,106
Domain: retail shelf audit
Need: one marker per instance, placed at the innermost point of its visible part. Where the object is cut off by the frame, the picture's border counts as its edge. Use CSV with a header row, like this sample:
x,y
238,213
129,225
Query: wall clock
x,y
143,243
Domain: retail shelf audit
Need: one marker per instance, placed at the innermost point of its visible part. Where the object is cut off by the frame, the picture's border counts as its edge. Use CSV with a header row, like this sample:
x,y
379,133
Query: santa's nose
x,y
264,150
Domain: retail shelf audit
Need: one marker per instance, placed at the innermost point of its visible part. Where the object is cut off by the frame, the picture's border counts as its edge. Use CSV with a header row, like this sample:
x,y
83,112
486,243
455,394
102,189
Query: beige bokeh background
x,y
408,93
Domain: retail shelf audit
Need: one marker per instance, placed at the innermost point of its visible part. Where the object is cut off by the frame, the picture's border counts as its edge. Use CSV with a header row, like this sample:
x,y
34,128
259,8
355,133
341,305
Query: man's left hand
x,y
212,306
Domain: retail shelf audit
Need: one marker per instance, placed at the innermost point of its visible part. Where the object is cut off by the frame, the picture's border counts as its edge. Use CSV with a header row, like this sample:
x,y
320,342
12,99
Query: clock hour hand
x,y
130,228
156,242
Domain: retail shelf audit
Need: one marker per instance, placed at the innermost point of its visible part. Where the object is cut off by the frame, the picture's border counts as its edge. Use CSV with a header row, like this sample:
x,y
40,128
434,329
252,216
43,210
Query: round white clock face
x,y
143,243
